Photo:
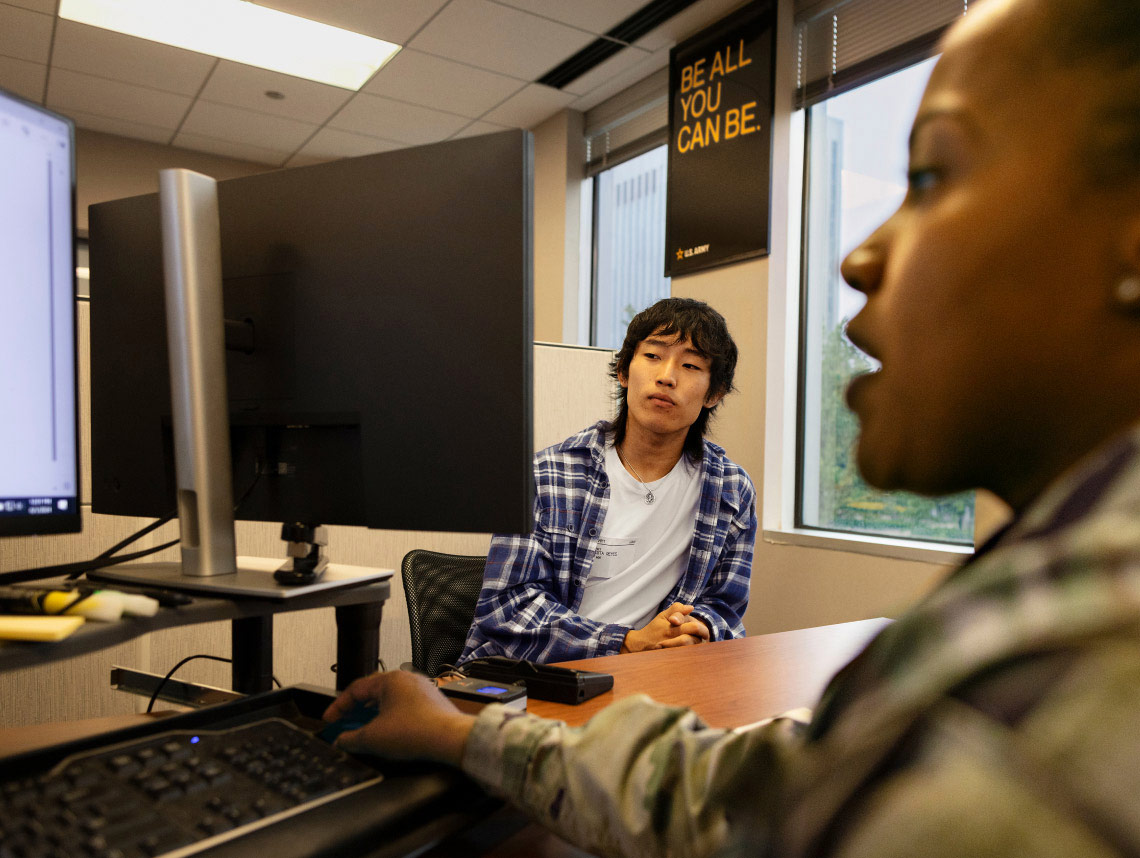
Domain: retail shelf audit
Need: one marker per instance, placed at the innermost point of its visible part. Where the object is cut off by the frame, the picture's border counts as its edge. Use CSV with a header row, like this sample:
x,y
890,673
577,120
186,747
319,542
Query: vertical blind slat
x,y
834,36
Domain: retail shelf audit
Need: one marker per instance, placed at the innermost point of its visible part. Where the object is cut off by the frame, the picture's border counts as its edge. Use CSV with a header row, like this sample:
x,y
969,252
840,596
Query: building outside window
x,y
628,244
856,163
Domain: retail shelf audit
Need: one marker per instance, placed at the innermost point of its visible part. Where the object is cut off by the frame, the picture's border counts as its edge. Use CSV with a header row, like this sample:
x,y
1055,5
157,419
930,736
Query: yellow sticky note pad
x,y
37,628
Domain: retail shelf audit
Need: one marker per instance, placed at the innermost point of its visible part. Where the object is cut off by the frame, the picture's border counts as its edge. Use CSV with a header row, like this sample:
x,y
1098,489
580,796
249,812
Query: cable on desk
x,y
108,557
170,673
74,570
379,665
170,516
138,534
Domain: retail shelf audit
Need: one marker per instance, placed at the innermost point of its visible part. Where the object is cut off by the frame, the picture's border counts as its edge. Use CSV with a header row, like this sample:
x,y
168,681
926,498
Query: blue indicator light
x,y
193,740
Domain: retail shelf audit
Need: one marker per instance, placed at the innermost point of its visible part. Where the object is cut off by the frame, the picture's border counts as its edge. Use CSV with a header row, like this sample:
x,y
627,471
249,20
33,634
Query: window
x,y
628,244
856,163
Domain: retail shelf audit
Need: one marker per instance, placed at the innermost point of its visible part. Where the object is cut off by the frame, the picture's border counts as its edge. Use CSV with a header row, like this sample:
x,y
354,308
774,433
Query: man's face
x,y
666,386
987,289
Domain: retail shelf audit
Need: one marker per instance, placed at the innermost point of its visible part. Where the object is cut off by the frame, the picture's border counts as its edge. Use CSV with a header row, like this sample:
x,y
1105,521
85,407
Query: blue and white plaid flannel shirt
x,y
534,583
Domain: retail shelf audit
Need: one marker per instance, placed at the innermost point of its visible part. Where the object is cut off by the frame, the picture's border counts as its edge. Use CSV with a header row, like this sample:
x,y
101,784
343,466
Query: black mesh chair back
x,y
441,591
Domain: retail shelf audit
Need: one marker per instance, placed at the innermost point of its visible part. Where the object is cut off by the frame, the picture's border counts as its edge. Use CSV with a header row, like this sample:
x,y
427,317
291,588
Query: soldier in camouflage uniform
x,y
998,717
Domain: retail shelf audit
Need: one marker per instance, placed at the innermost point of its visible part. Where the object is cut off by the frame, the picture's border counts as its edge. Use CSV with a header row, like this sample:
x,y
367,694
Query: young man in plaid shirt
x,y
643,528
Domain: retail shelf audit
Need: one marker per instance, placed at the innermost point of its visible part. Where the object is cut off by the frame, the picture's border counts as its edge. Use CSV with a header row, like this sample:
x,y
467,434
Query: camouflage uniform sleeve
x,y
640,779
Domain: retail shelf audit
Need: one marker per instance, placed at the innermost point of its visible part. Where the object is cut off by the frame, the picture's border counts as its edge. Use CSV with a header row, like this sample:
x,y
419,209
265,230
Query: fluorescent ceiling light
x,y
243,32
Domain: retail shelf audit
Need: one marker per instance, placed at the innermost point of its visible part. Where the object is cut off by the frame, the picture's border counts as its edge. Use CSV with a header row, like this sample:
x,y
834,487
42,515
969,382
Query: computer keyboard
x,y
174,793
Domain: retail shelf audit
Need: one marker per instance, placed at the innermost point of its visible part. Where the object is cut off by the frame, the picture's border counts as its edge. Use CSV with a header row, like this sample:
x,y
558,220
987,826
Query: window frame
x,y
807,336
595,203
785,322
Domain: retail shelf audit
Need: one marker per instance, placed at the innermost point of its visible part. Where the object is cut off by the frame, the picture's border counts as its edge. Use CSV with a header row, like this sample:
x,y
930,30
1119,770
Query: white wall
x,y
111,167
559,147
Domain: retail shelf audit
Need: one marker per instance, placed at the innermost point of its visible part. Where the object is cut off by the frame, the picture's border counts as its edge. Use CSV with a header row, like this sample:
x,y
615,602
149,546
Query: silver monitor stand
x,y
195,327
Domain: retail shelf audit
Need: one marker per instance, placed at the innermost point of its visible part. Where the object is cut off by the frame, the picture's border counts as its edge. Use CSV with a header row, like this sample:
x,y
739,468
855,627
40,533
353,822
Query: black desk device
x,y
542,681
485,691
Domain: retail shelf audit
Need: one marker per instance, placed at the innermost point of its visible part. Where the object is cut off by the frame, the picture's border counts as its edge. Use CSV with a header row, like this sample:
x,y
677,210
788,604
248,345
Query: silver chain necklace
x,y
649,498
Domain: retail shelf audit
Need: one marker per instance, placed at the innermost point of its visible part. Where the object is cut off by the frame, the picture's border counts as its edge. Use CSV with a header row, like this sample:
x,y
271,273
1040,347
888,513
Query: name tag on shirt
x,y
612,555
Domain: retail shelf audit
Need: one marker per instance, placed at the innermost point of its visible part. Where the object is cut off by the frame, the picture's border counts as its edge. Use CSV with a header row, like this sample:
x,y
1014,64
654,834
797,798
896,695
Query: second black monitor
x,y
379,314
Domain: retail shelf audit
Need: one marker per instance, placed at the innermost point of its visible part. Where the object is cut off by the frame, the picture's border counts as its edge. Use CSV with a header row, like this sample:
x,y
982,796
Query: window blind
x,y
628,124
843,43
839,45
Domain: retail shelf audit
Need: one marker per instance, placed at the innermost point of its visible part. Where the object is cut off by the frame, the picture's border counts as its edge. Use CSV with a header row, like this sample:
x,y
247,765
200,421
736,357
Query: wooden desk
x,y
17,740
728,683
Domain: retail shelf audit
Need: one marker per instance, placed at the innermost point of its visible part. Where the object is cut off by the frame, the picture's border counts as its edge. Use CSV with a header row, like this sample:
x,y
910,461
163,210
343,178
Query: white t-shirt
x,y
643,548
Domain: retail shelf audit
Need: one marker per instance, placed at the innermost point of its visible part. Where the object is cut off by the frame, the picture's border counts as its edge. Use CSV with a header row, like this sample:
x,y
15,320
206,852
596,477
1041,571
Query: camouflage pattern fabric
x,y
998,717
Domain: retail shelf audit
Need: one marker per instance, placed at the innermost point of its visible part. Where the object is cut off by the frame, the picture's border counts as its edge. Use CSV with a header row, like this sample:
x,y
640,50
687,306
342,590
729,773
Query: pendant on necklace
x,y
649,498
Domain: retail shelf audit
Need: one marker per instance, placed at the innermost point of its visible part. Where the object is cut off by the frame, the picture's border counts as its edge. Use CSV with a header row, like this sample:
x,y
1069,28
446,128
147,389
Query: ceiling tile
x,y
223,122
230,149
529,107
24,78
467,70
687,22
612,86
302,160
477,128
499,38
122,128
25,35
45,6
432,81
245,86
68,90
394,120
390,20
92,50
328,143
620,62
597,16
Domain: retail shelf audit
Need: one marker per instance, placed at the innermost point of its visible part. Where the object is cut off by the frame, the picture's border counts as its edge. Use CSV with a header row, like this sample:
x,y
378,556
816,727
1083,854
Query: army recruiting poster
x,y
720,147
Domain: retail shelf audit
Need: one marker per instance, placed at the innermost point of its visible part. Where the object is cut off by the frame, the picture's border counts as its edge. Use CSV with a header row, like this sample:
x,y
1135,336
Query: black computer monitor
x,y
39,434
379,342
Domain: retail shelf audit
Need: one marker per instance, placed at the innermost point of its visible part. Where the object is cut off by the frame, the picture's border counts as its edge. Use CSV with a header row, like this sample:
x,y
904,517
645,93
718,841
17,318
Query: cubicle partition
x,y
572,390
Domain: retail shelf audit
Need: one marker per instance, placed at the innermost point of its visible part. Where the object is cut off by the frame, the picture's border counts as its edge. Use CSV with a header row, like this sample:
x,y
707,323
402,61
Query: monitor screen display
x,y
39,460
379,342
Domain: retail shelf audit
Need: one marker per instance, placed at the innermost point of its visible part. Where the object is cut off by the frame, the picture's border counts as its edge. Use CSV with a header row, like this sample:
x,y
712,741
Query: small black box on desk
x,y
542,681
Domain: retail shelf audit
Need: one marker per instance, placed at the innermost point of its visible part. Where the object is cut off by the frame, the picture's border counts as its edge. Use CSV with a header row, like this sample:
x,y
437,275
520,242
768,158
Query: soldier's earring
x,y
1126,293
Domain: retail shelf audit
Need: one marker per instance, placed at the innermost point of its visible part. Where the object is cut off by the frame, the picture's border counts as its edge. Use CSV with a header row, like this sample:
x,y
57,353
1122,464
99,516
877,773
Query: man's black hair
x,y
705,328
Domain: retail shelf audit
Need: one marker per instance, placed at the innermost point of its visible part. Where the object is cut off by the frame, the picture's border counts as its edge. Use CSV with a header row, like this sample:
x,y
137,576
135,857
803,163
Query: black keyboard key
x,y
121,762
164,841
165,793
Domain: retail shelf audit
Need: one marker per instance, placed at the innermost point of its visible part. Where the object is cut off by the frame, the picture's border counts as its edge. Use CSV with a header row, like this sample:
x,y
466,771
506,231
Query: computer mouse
x,y
355,718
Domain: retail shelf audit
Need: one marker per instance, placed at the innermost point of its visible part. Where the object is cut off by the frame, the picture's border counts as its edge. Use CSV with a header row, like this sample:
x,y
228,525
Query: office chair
x,y
441,591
